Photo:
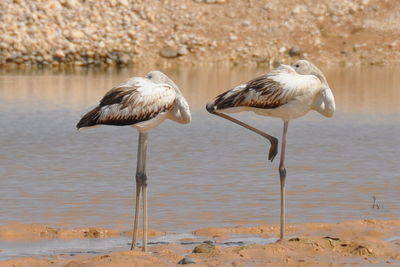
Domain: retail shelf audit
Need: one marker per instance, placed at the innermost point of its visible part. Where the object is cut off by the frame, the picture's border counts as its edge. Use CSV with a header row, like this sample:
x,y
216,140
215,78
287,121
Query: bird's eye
x,y
297,65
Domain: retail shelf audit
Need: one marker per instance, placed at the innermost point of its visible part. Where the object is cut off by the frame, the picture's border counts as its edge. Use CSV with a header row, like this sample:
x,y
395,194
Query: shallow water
x,y
73,247
208,173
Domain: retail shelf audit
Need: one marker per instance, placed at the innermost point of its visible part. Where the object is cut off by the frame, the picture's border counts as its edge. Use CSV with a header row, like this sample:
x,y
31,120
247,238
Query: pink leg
x,y
274,142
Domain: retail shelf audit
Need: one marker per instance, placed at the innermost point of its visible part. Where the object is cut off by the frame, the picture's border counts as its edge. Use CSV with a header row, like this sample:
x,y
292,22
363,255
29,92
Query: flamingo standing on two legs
x,y
143,103
288,92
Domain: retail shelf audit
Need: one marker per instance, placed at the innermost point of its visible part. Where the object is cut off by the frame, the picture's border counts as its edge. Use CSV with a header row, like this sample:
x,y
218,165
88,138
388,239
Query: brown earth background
x,y
192,32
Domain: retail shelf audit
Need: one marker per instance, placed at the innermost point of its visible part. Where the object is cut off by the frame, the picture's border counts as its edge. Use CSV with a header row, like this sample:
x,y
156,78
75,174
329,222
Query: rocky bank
x,y
163,32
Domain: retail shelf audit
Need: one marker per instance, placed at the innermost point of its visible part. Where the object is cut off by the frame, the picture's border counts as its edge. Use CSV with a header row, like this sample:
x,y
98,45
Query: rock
x,y
51,6
71,3
124,3
183,50
294,51
90,54
186,260
18,59
204,248
362,251
76,34
47,58
169,52
39,59
232,37
59,54
123,60
153,29
246,23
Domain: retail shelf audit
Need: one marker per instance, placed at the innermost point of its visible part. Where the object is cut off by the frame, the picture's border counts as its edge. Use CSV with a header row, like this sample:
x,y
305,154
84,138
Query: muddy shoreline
x,y
312,244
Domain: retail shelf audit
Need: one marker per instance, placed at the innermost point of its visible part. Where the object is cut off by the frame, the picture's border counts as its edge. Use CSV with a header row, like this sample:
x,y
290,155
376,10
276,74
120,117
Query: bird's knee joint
x,y
282,171
141,178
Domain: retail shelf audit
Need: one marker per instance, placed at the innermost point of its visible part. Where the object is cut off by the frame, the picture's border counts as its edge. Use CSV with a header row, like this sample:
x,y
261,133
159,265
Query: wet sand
x,y
36,231
355,243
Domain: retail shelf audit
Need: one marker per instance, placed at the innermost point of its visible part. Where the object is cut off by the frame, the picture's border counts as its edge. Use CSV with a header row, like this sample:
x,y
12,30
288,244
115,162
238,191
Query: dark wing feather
x,y
116,95
89,119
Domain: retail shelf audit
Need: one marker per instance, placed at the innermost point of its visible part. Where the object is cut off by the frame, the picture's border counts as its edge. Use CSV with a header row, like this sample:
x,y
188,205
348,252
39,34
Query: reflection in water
x,y
368,89
208,173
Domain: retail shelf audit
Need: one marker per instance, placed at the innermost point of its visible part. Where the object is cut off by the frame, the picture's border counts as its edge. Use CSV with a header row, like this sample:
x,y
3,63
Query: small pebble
x,y
233,37
294,51
186,260
183,50
169,52
246,23
204,248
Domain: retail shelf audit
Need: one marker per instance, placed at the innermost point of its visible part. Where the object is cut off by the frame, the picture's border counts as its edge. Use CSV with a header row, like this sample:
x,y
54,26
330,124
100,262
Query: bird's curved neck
x,y
321,77
182,114
177,90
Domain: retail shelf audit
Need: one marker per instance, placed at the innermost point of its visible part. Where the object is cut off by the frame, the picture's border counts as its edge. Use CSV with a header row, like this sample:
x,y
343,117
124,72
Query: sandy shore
x,y
355,243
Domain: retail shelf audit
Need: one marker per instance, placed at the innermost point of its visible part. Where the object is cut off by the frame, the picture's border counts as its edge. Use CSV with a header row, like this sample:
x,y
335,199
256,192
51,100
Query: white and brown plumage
x,y
143,103
288,92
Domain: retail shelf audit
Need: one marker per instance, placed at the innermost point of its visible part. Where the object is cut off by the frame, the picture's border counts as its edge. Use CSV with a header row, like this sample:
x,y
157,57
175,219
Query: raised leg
x,y
282,174
273,140
137,207
141,187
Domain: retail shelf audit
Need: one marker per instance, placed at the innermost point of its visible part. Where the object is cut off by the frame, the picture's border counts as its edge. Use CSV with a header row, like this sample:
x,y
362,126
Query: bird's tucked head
x,y
307,68
157,76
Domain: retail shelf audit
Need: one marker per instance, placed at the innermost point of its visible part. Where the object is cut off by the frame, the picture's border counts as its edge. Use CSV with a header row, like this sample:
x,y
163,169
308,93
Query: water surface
x,y
208,173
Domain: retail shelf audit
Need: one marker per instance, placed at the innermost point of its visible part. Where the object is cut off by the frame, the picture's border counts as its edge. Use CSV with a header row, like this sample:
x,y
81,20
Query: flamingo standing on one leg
x,y
143,103
288,92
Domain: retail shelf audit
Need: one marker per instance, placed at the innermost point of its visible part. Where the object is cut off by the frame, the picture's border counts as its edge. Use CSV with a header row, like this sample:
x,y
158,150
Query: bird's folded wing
x,y
267,91
132,102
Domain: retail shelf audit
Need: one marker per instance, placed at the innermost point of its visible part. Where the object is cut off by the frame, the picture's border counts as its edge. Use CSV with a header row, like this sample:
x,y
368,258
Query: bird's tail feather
x,y
222,101
89,119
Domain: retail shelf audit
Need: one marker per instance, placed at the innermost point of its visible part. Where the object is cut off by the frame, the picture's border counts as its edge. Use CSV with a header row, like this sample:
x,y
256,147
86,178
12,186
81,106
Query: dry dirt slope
x,y
86,32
